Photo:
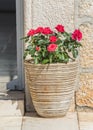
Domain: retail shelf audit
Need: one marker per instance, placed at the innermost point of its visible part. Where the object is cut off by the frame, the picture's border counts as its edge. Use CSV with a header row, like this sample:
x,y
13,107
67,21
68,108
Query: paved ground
x,y
72,121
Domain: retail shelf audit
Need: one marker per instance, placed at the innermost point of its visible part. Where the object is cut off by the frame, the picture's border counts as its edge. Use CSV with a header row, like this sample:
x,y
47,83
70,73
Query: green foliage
x,y
67,48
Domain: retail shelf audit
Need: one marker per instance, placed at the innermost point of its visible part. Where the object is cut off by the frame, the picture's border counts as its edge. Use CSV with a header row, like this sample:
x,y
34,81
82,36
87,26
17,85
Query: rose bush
x,y
47,46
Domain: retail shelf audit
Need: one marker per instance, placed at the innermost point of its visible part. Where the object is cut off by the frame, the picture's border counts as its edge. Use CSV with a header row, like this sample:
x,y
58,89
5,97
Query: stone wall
x,y
72,14
84,96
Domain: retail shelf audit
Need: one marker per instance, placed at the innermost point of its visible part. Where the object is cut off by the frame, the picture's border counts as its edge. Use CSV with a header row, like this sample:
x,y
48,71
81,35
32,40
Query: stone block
x,y
86,8
86,53
84,96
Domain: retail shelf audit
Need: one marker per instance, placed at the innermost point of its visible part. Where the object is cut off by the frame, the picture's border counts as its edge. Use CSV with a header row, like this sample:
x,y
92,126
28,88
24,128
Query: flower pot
x,y
52,87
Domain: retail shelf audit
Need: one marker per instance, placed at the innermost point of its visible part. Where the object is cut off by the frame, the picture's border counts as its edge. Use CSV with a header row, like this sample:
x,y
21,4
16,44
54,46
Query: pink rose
x,y
77,35
37,48
52,47
31,32
53,39
60,28
39,30
47,31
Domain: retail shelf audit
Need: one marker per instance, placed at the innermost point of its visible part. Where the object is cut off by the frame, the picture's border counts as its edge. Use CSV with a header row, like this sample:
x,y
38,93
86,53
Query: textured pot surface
x,y
52,87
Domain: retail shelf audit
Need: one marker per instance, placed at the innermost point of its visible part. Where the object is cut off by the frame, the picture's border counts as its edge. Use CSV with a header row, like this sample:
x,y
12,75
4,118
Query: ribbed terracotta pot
x,y
52,87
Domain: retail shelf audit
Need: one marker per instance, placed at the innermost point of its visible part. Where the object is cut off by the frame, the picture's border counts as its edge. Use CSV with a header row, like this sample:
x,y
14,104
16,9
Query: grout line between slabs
x,y
78,121
22,123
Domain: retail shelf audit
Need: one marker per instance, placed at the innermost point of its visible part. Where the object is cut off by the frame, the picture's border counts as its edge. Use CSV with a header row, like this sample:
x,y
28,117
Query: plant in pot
x,y
51,71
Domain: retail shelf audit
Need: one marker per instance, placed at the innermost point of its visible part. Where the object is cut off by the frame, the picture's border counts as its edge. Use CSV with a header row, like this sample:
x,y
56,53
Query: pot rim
x,y
53,64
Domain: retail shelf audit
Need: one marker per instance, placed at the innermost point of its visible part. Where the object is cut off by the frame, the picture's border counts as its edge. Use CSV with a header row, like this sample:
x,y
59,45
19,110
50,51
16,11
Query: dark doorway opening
x,y
8,51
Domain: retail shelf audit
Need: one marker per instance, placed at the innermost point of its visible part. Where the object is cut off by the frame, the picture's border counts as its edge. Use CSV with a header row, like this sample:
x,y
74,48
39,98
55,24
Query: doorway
x,y
11,67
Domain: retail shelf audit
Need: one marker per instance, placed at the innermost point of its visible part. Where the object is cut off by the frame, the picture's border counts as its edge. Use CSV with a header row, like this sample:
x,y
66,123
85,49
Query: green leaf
x,y
41,42
45,61
59,41
47,41
79,44
43,53
75,53
36,60
62,56
25,54
26,40
29,47
24,37
66,58
50,58
32,52
66,34
70,46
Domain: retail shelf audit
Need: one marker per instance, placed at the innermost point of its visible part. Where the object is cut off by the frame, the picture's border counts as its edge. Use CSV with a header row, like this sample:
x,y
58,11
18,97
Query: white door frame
x,y
20,45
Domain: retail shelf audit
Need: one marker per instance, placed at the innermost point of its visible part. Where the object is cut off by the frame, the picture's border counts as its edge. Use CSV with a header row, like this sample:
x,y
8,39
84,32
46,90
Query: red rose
x,y
60,28
77,35
39,30
31,32
52,47
47,30
53,39
37,48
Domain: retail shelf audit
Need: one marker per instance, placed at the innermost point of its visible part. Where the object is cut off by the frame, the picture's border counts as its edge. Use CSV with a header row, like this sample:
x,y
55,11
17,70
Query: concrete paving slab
x,y
10,123
11,108
85,120
34,122
12,103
